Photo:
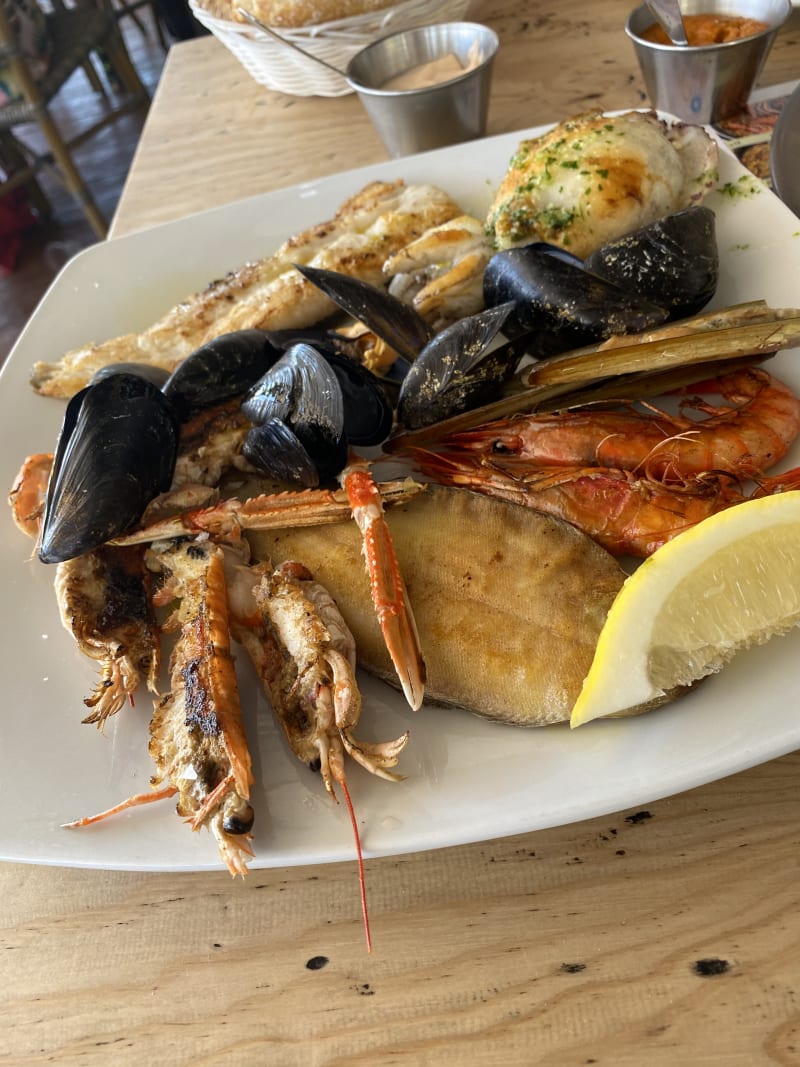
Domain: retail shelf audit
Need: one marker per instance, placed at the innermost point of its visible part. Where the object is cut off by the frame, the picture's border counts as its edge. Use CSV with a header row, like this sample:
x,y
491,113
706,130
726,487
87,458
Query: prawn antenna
x,y
361,882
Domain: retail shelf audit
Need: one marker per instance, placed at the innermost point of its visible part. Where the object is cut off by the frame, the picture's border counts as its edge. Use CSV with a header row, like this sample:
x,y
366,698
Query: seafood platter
x,y
431,761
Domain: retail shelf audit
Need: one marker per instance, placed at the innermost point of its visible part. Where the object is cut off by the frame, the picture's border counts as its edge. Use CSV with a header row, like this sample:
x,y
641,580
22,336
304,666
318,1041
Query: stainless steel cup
x,y
707,83
415,120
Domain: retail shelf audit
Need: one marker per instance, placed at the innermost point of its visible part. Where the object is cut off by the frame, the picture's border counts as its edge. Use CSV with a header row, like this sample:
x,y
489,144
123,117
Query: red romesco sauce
x,y
709,29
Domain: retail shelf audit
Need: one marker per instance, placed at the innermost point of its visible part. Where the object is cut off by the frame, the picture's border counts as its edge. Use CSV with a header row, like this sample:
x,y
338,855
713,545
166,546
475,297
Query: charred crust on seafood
x,y
198,709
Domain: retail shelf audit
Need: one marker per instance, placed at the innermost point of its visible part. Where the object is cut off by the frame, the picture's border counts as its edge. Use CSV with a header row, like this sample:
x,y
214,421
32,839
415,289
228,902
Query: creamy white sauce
x,y
427,74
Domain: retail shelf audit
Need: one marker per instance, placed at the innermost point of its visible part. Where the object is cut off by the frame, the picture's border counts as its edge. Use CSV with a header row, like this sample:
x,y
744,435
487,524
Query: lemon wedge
x,y
730,582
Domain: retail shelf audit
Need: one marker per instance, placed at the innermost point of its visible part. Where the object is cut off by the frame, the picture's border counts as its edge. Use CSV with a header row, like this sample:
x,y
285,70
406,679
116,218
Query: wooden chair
x,y
131,8
76,33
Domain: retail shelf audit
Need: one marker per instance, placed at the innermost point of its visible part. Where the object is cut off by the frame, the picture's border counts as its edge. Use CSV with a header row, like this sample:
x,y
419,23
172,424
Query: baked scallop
x,y
595,177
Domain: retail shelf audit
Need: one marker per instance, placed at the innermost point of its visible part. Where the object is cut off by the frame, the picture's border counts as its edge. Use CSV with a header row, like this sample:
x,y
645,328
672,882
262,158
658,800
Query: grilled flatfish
x,y
508,602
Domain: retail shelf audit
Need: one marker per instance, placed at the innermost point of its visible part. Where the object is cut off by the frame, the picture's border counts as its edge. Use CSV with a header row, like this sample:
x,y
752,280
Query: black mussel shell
x,y
220,369
368,414
116,451
302,391
157,375
395,322
559,306
464,366
674,262
275,449
300,388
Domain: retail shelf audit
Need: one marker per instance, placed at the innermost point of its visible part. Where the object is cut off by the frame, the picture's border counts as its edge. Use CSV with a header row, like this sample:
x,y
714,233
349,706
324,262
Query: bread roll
x,y
291,14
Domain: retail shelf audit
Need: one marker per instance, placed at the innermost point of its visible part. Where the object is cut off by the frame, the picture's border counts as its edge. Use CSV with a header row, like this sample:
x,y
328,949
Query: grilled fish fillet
x,y
441,273
269,293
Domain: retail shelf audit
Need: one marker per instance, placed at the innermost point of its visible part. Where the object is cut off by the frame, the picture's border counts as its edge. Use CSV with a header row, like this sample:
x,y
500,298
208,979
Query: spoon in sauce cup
x,y
668,14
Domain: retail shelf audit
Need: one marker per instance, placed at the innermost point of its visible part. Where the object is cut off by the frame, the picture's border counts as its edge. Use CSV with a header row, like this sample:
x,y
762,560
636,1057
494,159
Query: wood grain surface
x,y
215,135
663,936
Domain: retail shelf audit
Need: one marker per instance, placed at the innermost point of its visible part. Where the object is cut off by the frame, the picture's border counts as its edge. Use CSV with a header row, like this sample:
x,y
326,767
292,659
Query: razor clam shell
x,y
508,602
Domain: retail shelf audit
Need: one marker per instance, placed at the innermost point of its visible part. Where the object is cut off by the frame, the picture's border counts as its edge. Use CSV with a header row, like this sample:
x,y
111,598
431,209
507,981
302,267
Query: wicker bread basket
x,y
284,69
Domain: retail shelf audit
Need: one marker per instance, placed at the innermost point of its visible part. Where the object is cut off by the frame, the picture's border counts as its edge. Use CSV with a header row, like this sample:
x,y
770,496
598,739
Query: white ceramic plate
x,y
467,780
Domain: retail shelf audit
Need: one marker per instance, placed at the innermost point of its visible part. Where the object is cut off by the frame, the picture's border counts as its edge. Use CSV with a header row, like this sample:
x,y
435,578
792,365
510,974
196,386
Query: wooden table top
x,y
664,936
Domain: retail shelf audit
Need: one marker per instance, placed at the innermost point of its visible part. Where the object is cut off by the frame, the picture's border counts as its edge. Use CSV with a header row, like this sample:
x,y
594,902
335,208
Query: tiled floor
x,y
103,160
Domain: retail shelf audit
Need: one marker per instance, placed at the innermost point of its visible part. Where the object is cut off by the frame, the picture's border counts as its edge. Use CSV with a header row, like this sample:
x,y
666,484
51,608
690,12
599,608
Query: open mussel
x,y
396,323
297,406
558,305
115,453
221,369
673,262
465,365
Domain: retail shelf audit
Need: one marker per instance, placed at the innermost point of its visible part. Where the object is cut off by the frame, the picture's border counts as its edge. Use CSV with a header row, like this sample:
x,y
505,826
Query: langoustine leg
x,y
104,602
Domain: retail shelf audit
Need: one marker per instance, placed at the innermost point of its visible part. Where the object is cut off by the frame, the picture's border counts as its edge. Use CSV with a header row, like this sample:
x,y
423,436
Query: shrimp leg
x,y
104,602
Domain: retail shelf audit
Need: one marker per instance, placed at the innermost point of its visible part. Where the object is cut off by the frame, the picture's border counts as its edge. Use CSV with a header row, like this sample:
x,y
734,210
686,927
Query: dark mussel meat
x,y
465,365
558,305
674,262
221,369
395,322
115,453
301,392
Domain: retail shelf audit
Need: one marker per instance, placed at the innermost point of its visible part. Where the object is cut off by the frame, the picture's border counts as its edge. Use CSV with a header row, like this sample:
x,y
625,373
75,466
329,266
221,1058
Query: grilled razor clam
x,y
595,177
270,293
441,272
